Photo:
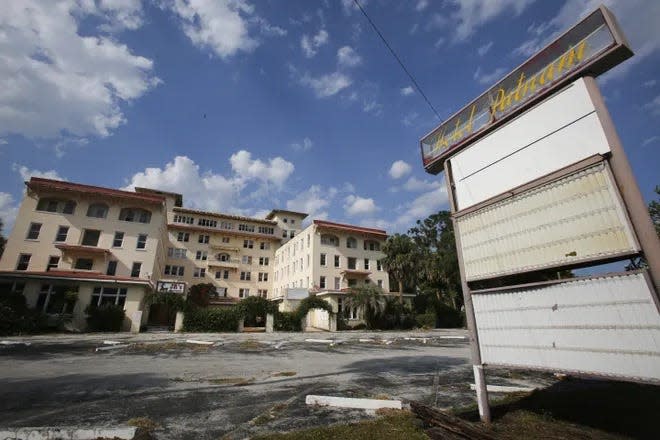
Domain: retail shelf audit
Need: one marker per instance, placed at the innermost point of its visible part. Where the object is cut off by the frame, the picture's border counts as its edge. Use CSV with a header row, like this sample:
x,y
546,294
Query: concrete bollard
x,y
136,321
178,322
241,325
270,322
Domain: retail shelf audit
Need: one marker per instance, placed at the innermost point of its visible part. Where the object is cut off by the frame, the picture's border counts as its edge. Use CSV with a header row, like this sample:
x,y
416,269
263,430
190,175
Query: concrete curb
x,y
348,402
66,433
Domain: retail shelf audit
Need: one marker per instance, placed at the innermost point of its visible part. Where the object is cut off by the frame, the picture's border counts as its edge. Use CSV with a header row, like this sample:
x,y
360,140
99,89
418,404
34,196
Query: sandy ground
x,y
242,385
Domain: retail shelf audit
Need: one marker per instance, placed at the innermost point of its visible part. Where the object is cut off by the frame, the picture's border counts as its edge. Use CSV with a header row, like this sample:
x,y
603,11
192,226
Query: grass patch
x,y
284,374
144,423
398,425
249,344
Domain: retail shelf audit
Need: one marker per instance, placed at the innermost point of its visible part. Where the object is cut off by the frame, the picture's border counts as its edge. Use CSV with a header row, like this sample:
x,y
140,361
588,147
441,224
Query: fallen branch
x,y
447,426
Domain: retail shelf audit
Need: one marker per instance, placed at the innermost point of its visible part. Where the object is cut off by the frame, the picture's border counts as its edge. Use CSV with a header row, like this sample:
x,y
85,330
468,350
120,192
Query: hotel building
x,y
114,246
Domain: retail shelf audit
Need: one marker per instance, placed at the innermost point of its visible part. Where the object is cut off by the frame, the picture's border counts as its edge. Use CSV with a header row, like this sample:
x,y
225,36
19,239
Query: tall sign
x,y
538,181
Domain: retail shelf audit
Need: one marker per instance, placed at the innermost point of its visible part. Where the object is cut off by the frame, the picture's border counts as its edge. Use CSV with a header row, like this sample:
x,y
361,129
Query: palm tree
x,y
401,259
368,298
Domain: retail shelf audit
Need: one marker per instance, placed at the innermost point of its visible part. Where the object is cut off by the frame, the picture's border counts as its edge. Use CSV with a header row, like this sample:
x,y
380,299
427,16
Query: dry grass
x,y
236,381
284,374
144,423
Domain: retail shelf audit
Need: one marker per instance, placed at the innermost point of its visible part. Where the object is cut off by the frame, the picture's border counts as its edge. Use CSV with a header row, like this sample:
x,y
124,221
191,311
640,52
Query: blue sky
x,y
249,105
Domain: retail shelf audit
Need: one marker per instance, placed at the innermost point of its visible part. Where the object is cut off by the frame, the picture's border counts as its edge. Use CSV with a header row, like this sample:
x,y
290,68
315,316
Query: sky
x,y
248,105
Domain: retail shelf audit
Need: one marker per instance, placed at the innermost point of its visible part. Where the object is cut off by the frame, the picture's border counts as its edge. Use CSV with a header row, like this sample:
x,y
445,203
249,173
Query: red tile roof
x,y
351,228
38,183
73,275
228,216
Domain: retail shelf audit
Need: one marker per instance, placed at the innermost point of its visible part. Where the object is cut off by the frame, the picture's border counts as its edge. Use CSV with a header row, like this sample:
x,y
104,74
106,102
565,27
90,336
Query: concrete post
x,y
241,325
332,322
270,322
136,321
178,322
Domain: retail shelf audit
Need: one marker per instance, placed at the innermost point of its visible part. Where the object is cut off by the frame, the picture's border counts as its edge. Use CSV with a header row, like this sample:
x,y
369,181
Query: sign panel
x,y
592,46
606,326
562,130
574,219
170,287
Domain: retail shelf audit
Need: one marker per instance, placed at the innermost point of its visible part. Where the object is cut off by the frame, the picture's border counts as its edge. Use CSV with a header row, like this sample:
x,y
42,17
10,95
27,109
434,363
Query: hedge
x,y
211,319
287,322
105,318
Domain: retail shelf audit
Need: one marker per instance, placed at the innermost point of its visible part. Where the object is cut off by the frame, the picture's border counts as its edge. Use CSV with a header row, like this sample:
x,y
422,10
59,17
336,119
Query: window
x,y
224,274
266,230
322,283
308,240
52,299
204,239
135,215
243,293
337,261
90,237
352,313
246,259
284,234
380,283
62,232
264,245
248,244
176,271
352,263
84,264
199,272
33,232
263,276
262,293
340,305
183,236
337,283
108,295
293,222
330,240
53,262
285,220
201,255
176,253
221,292
223,257
245,227
207,222
118,240
135,270
292,234
55,205
351,243
246,276
97,210
352,282
226,225
225,239
112,268
263,261
366,264
142,241
323,260
371,245
189,220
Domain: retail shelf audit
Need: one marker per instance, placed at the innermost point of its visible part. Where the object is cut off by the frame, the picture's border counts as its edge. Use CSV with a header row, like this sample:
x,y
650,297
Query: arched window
x,y
330,240
351,243
56,205
371,245
97,210
223,257
135,215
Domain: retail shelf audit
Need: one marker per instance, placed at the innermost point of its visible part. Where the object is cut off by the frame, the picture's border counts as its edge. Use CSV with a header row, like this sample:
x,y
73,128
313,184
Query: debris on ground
x,y
349,402
447,426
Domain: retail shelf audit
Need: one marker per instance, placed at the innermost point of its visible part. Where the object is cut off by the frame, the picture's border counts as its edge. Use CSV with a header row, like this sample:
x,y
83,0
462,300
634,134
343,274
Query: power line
x,y
373,25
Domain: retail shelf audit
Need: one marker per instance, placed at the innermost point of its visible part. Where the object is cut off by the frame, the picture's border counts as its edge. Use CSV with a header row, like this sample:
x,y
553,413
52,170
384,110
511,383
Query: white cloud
x,y
26,173
305,145
349,6
221,26
423,206
373,107
268,29
313,201
638,19
654,105
8,212
399,169
346,56
208,190
311,44
326,85
356,205
121,14
407,91
483,50
3,141
409,119
469,15
489,78
421,5
650,140
414,184
650,83
55,79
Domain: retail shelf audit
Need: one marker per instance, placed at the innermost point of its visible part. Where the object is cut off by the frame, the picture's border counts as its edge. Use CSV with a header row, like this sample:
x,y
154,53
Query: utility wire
x,y
373,25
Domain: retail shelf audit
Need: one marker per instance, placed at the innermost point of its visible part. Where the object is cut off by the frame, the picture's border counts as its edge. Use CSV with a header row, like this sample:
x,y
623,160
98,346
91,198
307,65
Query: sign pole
x,y
477,366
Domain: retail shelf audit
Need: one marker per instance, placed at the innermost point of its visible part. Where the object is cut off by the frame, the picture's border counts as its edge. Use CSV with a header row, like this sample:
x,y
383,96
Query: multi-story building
x,y
116,246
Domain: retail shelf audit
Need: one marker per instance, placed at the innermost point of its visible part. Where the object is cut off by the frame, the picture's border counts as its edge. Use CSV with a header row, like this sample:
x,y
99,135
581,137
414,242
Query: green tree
x,y
401,260
200,294
654,211
3,240
370,300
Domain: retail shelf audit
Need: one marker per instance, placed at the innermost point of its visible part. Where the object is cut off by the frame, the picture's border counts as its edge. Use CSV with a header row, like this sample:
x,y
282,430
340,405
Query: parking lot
x,y
235,385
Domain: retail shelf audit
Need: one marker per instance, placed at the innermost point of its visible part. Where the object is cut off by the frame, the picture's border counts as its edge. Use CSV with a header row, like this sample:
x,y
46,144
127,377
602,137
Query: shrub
x,y
449,317
426,320
16,318
105,318
287,322
211,319
200,294
255,307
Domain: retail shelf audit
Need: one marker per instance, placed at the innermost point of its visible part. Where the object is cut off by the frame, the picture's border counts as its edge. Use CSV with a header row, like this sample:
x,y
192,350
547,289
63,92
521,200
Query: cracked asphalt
x,y
241,385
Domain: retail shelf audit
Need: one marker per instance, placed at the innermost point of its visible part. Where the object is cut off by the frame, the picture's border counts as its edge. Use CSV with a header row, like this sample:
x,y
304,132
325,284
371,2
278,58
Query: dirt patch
x,y
236,381
284,374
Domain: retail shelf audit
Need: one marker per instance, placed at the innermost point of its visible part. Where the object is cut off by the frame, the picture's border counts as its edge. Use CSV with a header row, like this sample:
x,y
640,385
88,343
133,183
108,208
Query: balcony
x,y
224,247
231,263
355,272
82,250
